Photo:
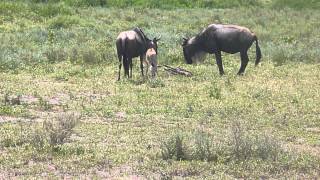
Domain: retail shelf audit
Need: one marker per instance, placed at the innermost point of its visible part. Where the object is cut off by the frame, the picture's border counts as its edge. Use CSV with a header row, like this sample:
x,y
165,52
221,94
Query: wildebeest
x,y
151,56
131,44
227,38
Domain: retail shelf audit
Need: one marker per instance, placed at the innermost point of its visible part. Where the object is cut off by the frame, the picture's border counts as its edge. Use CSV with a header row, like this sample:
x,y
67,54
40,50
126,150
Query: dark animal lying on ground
x,y
131,44
216,38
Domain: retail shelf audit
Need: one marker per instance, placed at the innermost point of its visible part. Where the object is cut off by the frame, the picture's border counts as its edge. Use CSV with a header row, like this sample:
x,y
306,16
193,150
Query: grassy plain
x,y
58,64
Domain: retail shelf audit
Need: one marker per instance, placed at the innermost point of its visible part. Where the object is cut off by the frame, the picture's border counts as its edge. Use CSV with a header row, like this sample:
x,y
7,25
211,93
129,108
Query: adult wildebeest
x,y
131,44
227,38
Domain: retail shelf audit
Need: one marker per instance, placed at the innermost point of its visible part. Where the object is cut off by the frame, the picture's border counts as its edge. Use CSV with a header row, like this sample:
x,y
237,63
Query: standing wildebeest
x,y
131,44
216,38
151,56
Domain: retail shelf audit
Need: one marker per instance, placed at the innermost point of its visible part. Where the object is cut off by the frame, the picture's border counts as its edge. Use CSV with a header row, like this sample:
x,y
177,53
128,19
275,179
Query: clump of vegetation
x,y
204,147
197,146
240,146
60,128
215,91
44,104
44,136
64,22
246,146
174,148
297,4
155,83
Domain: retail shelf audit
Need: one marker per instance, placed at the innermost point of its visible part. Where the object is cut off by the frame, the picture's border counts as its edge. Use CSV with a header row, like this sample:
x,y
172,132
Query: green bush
x,y
240,146
245,146
173,148
157,3
297,4
64,22
195,146
60,128
50,10
86,2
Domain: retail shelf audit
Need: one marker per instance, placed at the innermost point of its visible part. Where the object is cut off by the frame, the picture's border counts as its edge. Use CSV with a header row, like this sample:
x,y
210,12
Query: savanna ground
x,y
63,114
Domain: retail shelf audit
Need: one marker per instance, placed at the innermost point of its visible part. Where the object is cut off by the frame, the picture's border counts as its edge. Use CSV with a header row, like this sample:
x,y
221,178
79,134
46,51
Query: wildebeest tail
x,y
125,58
258,51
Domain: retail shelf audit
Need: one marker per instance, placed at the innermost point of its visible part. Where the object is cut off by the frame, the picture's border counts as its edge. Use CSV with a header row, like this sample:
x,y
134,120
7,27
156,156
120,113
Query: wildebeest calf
x,y
151,56
227,38
131,44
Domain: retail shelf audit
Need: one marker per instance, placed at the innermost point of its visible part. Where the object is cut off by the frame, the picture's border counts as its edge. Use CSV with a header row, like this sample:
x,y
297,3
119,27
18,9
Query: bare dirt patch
x,y
304,148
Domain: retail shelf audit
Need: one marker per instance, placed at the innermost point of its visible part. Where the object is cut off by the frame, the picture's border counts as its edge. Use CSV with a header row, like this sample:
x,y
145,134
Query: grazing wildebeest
x,y
131,44
216,38
151,56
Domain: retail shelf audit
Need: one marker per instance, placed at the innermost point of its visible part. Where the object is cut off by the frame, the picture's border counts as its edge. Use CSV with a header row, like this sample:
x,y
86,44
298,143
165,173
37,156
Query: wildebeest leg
x,y
130,67
141,65
244,62
120,64
126,63
147,68
219,62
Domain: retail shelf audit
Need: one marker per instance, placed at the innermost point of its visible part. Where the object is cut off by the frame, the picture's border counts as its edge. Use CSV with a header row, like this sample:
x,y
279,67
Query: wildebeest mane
x,y
141,34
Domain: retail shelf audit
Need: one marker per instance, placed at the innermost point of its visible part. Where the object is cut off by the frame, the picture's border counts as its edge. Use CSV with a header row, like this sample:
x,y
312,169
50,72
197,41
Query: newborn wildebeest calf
x,y
216,38
131,44
151,61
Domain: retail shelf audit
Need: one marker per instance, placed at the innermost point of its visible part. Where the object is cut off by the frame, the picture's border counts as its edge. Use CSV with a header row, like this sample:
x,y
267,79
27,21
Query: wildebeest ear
x,y
184,41
156,39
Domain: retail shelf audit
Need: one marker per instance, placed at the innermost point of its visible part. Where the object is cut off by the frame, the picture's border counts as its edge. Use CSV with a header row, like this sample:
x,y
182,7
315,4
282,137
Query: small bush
x,y
204,149
215,91
267,147
44,104
60,128
87,2
64,21
16,135
50,9
296,4
195,146
240,146
46,136
38,138
173,148
156,83
91,56
246,146
56,54
15,111
279,57
11,8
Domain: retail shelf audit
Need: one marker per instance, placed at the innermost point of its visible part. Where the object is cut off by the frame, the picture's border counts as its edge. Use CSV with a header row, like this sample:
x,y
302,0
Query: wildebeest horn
x,y
157,39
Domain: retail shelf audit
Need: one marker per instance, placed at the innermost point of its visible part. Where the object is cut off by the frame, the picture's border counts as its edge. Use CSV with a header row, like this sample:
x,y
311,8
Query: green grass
x,y
124,124
60,59
171,4
86,35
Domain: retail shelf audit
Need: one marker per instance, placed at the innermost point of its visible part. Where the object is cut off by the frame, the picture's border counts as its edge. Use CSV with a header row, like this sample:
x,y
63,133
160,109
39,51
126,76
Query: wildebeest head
x,y
192,50
153,44
186,51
